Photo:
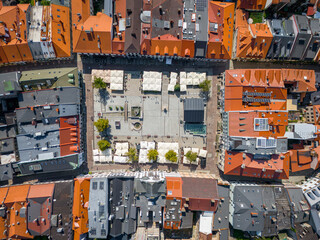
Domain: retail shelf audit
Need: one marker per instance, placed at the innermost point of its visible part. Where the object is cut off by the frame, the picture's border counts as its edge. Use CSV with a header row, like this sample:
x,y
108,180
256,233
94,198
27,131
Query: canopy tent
x,y
152,81
102,156
116,79
183,88
185,160
121,148
164,147
171,88
144,149
203,153
104,74
120,159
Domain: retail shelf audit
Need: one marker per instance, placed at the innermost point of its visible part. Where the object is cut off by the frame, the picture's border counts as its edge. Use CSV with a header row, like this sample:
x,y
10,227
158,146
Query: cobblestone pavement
x,y
211,165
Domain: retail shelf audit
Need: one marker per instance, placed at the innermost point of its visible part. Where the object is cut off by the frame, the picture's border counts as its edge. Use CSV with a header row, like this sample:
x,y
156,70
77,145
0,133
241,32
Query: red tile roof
x,y
243,164
221,17
16,202
93,35
80,206
40,209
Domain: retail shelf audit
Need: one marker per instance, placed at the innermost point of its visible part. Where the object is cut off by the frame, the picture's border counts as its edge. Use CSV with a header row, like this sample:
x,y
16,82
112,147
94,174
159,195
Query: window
x,y
301,41
94,185
101,185
103,232
266,143
93,231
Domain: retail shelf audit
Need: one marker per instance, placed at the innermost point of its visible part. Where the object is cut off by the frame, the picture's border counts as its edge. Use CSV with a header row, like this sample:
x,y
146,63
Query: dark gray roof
x,y
276,27
9,84
150,198
302,23
27,115
299,205
221,220
202,10
7,146
6,172
61,164
122,195
98,213
172,210
259,208
133,32
62,210
288,27
193,110
186,220
315,26
315,98
61,95
304,231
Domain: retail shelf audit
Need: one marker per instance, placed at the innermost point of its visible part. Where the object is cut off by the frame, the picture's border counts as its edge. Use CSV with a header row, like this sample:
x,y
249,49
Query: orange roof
x,y
15,201
119,36
302,80
14,46
221,18
242,164
40,208
316,110
166,45
3,194
304,159
253,41
174,187
60,26
253,4
93,35
69,135
241,124
80,11
80,206
187,48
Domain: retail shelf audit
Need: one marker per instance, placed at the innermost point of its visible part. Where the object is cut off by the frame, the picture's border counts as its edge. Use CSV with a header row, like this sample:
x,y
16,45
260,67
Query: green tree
x,y
102,124
177,87
153,155
45,3
205,85
132,155
191,156
24,1
99,83
103,144
171,156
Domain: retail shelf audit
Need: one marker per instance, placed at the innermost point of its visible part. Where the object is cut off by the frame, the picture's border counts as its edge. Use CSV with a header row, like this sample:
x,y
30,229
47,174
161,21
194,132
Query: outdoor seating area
x,y
102,156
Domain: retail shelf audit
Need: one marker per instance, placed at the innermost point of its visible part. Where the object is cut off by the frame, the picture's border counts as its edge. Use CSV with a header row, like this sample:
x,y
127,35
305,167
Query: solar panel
x,y
266,143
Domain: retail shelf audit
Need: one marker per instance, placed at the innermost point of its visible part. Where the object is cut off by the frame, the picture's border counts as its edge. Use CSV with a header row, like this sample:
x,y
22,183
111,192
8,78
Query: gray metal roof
x,y
62,210
202,11
315,26
27,115
259,209
98,213
302,23
299,205
249,145
221,216
7,145
60,164
315,98
150,198
122,195
6,172
66,110
193,110
9,84
61,95
38,142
